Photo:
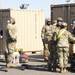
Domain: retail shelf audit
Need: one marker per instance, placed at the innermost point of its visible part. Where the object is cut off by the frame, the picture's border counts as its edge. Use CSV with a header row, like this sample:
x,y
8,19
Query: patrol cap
x,y
64,24
59,18
48,19
12,19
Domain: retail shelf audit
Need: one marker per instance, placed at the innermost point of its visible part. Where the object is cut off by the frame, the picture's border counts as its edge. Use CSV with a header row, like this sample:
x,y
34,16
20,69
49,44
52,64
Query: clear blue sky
x,y
34,4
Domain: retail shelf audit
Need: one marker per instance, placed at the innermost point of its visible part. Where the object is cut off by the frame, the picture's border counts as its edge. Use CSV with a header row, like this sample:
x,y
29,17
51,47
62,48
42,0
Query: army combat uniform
x,y
63,37
11,38
53,50
46,37
52,62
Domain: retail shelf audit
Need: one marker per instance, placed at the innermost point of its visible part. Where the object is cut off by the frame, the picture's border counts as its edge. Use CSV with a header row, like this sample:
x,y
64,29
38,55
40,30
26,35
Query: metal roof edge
x,y
56,5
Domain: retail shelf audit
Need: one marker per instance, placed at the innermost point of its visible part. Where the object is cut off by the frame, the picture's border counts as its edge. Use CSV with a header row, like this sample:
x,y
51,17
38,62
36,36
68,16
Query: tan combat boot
x,y
65,70
10,64
46,58
57,69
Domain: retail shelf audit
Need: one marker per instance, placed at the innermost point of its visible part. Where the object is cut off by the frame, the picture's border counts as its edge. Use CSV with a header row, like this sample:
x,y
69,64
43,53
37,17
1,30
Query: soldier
x,y
52,62
63,46
46,36
73,28
11,38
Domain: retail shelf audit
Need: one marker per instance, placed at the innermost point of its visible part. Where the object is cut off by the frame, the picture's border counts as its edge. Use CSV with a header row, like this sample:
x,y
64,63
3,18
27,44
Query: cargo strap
x,y
59,35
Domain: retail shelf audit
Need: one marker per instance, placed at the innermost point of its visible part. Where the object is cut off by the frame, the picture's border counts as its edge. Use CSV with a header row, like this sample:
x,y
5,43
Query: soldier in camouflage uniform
x,y
46,36
11,38
52,62
63,46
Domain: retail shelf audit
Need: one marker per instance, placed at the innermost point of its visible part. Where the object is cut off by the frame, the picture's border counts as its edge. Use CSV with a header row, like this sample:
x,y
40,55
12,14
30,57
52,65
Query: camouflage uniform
x,y
11,38
52,62
53,50
46,36
63,47
55,57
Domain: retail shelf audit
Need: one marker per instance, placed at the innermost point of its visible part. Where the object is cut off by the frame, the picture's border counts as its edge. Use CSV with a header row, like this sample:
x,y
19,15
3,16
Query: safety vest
x,y
59,35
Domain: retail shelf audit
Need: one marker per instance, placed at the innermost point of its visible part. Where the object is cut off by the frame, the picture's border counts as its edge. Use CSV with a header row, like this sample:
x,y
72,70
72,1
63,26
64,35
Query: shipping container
x,y
29,24
66,11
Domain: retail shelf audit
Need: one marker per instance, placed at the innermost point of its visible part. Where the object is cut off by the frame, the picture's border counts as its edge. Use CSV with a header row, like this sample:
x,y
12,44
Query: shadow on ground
x,y
36,58
31,66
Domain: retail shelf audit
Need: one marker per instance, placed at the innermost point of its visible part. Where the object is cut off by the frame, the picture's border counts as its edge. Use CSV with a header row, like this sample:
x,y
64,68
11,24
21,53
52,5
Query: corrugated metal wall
x,y
29,24
66,11
4,16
